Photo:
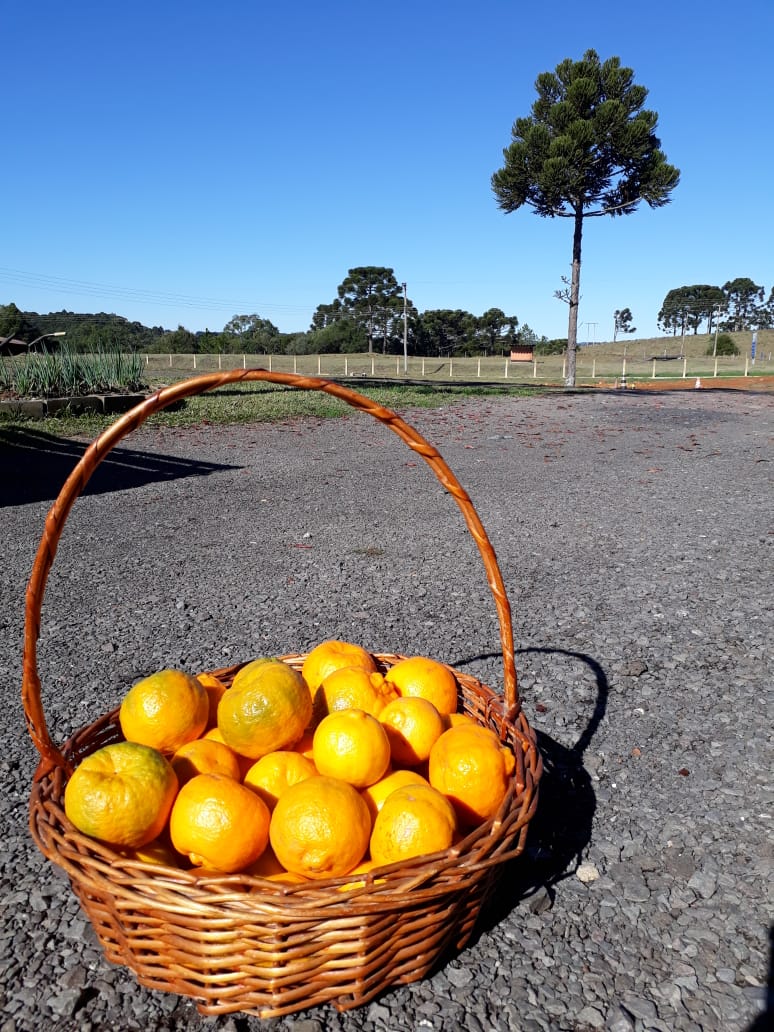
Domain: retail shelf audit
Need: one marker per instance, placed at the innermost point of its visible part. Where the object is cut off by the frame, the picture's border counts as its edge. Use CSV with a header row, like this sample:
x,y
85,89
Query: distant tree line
x,y
370,313
740,304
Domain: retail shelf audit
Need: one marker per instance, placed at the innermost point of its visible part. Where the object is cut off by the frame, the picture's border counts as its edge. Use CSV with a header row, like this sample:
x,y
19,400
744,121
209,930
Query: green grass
x,y
262,403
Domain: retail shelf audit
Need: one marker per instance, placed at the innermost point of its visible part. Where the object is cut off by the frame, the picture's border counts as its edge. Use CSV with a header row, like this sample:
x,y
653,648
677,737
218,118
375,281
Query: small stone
x,y
590,1016
640,1008
703,884
634,668
459,976
540,901
377,1012
619,1021
587,873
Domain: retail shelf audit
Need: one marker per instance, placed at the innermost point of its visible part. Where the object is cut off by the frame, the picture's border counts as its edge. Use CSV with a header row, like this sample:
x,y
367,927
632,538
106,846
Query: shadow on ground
x,y
561,827
34,466
765,1020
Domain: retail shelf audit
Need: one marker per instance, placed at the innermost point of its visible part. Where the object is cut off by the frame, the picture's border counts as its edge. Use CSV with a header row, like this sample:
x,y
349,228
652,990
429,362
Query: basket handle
x,y
109,438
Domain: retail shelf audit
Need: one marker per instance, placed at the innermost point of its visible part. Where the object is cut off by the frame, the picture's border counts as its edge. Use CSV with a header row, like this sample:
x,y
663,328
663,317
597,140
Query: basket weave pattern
x,y
240,943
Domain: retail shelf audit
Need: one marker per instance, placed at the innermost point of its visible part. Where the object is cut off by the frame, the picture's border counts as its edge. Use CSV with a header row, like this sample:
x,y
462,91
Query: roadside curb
x,y
40,408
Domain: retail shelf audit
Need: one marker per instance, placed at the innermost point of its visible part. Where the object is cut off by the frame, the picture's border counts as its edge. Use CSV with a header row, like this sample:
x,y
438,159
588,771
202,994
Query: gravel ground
x,y
635,537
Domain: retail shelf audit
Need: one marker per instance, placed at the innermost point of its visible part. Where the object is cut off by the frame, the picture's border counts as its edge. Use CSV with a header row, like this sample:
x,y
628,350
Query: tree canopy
x,y
588,148
372,298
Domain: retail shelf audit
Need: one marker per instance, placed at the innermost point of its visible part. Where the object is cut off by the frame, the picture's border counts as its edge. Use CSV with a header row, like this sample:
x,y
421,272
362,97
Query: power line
x,y
91,289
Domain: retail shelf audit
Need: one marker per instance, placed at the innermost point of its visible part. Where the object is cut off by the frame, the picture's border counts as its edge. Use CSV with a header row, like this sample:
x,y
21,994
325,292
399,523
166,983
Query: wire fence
x,y
542,369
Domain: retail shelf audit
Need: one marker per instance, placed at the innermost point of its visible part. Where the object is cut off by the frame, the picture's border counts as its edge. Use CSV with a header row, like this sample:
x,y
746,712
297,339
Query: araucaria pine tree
x,y
589,148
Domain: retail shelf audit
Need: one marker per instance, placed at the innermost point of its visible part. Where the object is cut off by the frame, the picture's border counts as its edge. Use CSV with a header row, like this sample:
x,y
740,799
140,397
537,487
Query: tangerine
x,y
320,828
215,689
413,725
275,772
267,707
414,820
332,655
218,823
351,745
164,710
426,679
205,756
376,794
473,769
121,794
352,688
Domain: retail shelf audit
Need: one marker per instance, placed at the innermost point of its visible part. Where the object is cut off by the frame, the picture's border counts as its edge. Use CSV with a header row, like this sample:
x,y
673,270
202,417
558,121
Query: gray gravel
x,y
635,536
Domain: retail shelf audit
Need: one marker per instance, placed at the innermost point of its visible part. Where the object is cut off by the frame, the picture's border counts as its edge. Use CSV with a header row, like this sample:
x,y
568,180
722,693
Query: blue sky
x,y
178,163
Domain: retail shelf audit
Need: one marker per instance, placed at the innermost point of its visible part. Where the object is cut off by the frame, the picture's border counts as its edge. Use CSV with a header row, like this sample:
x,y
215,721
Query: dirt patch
x,y
732,383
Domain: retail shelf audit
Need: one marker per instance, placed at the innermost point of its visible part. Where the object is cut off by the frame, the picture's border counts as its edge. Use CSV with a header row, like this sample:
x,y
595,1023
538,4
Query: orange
x,y
275,772
320,828
305,745
427,679
454,719
414,820
121,794
164,710
413,725
268,866
157,852
245,762
267,707
205,756
215,689
473,769
360,883
331,655
376,794
218,823
353,746
352,688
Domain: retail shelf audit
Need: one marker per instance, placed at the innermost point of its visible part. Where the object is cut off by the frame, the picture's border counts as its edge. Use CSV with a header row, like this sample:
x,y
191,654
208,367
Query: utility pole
x,y
405,330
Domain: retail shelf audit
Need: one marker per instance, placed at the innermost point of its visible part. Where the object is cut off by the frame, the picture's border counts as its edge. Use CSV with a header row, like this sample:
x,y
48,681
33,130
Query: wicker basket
x,y
240,943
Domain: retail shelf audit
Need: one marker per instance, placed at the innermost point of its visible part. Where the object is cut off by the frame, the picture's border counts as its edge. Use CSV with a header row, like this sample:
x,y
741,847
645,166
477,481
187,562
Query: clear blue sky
x,y
178,163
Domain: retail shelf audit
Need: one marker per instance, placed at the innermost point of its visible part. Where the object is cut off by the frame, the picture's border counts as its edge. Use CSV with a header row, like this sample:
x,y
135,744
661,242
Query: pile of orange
x,y
292,774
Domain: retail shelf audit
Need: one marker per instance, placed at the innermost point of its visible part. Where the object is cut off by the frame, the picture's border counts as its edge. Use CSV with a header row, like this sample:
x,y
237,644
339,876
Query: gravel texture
x,y
635,537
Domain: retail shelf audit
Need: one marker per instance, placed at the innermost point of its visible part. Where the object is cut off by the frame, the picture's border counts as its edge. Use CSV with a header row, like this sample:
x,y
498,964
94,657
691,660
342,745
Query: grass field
x,y
646,359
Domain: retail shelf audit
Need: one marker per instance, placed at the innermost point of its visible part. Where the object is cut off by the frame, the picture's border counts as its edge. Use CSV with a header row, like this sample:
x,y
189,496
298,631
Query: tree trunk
x,y
572,326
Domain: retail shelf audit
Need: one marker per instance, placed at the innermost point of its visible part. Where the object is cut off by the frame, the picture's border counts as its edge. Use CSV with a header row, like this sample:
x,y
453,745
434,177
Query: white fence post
x,y
346,366
244,361
478,368
593,369
505,372
534,369
746,364
716,369
194,358
295,363
318,365
170,361
685,367
372,365
653,372
423,367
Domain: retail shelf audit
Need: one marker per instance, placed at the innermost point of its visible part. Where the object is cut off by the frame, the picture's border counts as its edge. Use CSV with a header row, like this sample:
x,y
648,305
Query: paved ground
x,y
635,535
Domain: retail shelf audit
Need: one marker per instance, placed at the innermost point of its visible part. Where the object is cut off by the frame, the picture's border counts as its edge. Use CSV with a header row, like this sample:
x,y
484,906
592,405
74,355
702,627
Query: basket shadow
x,y
765,1019
561,827
34,465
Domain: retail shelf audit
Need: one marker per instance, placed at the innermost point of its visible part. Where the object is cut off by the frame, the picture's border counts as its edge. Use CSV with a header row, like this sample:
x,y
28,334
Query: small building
x,y
522,352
